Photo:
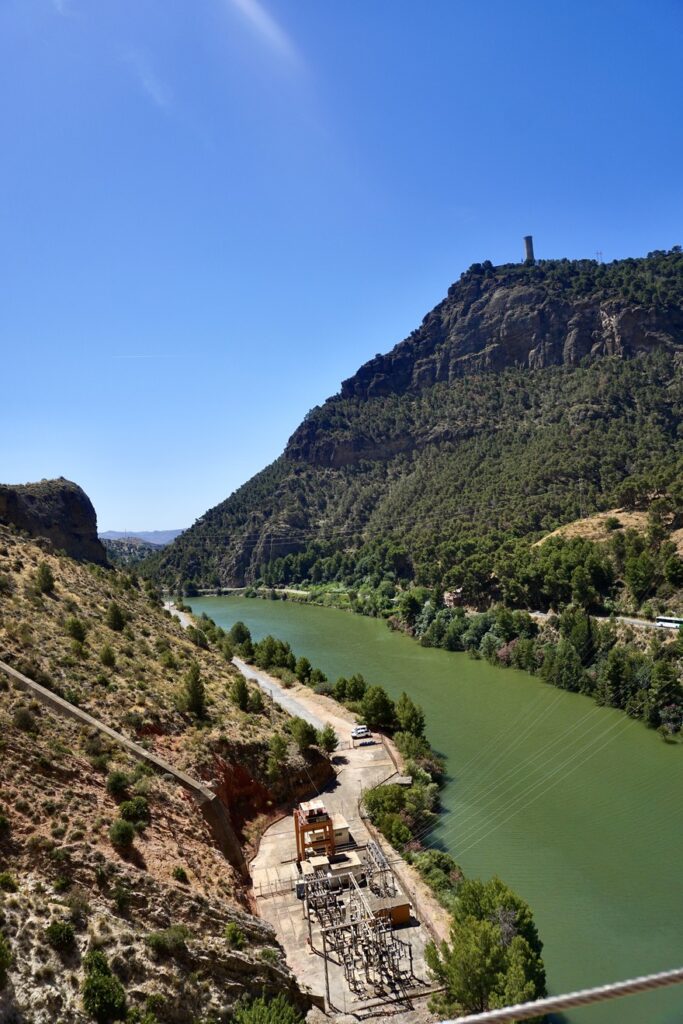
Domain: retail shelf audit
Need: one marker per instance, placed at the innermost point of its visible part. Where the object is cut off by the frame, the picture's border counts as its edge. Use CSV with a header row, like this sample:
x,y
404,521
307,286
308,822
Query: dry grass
x,y
594,527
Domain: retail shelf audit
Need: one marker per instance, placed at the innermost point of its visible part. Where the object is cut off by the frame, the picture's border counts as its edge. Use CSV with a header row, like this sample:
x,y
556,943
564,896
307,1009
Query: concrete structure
x,y
340,827
390,908
339,866
529,249
314,831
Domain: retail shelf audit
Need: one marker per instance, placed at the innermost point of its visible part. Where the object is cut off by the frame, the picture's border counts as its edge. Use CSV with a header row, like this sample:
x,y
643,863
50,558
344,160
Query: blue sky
x,y
213,211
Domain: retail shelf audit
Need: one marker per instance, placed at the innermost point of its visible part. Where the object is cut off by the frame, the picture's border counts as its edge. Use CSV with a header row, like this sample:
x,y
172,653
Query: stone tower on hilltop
x,y
529,247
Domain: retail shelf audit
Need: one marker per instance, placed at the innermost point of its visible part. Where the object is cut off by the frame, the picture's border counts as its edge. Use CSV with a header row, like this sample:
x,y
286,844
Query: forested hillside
x,y
531,396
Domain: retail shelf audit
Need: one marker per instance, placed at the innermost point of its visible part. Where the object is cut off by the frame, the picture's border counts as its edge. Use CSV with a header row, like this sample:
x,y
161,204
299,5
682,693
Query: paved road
x,y
627,619
281,697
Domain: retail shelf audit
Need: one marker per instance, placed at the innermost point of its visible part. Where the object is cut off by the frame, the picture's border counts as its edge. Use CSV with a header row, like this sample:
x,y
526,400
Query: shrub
x,y
180,874
7,882
269,955
24,719
60,935
169,942
104,997
5,827
262,1011
234,936
117,783
115,617
5,960
76,629
107,656
44,579
135,811
122,834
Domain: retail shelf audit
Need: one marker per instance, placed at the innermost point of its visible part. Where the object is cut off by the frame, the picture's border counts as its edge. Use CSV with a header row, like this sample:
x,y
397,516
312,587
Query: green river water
x,y
577,807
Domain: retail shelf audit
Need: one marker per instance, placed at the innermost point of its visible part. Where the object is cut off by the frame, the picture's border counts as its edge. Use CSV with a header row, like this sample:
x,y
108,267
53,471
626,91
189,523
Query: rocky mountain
x,y
57,510
524,400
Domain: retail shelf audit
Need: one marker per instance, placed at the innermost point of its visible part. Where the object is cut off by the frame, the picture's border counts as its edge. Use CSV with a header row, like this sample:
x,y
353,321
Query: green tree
x,y
640,574
239,633
304,734
115,618
44,579
239,693
328,739
377,709
195,694
410,716
277,757
469,967
303,670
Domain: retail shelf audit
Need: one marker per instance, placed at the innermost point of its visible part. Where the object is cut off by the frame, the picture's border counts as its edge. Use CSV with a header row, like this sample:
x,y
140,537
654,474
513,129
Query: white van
x,y
360,732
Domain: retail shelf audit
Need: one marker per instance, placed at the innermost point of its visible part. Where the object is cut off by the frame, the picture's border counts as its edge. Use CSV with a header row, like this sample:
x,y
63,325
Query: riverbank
x,y
569,802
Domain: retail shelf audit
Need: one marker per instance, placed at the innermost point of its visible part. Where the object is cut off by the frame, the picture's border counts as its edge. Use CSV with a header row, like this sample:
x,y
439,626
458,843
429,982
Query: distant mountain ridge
x,y
156,537
523,401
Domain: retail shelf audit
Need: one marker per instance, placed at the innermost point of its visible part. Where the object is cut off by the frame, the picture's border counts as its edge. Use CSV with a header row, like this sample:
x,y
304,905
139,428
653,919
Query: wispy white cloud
x,y
149,82
266,27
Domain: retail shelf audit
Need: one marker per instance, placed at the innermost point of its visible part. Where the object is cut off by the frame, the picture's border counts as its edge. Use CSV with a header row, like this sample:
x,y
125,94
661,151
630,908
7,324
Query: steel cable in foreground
x,y
525,1011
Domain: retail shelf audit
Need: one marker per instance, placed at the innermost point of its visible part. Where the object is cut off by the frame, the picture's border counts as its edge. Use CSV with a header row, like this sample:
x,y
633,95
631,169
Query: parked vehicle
x,y
360,732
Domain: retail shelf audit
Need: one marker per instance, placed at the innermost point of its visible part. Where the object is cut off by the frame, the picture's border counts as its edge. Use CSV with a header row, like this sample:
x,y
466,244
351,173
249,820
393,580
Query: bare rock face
x,y
487,325
58,510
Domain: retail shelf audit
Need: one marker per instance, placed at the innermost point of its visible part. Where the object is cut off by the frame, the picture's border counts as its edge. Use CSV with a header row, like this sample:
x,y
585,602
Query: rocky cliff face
x,y
491,322
58,510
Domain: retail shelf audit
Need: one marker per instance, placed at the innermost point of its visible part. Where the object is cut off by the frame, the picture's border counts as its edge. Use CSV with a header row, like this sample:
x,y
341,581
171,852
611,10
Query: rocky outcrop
x,y
57,510
489,323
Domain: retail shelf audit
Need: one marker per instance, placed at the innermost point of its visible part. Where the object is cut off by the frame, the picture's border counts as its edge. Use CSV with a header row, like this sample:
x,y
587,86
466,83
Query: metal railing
x,y
584,997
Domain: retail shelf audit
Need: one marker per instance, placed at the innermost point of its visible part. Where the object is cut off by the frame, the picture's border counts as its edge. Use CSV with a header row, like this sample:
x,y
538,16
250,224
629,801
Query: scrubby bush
x,y
7,882
6,959
44,579
264,1011
169,942
117,784
180,874
60,935
136,811
104,997
234,936
107,656
115,619
122,834
24,719
76,629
